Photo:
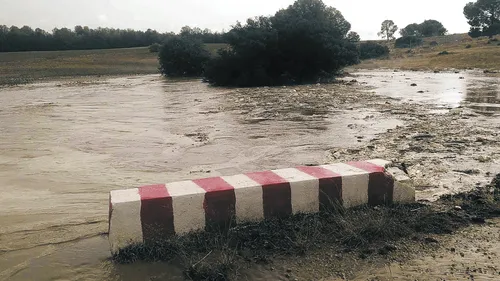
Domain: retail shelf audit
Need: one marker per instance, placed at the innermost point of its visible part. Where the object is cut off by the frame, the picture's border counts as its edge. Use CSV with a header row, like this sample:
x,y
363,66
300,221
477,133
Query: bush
x,y
154,48
182,57
370,50
306,42
408,42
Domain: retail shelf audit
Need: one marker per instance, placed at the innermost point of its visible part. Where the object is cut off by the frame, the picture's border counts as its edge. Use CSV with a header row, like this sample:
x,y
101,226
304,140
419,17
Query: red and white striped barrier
x,y
158,211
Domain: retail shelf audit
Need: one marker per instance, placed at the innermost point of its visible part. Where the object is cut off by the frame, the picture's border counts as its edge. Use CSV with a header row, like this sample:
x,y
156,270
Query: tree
x,y
484,17
303,43
432,28
182,56
353,37
427,28
388,29
411,30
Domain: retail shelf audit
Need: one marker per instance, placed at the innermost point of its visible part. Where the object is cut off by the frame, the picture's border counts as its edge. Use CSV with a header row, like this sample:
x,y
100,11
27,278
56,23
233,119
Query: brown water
x,y
65,145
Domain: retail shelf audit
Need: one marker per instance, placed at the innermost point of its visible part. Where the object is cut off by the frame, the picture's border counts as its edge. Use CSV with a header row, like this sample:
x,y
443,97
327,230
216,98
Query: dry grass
x,y
27,67
480,54
32,66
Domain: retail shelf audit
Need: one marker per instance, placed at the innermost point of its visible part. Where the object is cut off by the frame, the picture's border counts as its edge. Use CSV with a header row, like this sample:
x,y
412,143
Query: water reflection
x,y
448,90
484,96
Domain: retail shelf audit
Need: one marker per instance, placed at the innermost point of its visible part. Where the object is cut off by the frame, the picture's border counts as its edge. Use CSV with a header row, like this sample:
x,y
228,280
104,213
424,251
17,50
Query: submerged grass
x,y
216,254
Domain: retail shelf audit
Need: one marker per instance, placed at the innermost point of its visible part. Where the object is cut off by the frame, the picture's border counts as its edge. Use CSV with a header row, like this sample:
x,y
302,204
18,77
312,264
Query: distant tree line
x,y
15,39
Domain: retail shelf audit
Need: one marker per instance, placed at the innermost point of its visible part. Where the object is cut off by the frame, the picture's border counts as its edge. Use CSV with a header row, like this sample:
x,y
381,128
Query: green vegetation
x,y
301,44
427,28
371,50
387,30
408,42
154,48
484,17
16,39
183,56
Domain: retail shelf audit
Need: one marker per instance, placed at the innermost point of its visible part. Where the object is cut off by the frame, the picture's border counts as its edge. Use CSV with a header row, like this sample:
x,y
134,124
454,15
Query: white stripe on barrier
x,y
354,184
379,162
187,203
249,204
305,190
125,222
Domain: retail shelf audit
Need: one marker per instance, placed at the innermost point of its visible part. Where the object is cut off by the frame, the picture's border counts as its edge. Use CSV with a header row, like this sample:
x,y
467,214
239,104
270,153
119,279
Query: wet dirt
x,y
471,254
64,146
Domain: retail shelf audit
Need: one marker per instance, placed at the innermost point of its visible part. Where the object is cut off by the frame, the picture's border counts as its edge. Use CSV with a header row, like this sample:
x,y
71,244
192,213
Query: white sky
x,y
170,15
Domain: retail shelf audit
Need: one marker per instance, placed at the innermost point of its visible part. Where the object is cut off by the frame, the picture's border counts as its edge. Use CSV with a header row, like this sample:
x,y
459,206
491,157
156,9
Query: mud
x,y
471,254
64,146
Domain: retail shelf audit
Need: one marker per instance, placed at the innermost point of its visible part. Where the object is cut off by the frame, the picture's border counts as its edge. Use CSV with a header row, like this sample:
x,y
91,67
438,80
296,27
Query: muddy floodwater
x,y
64,145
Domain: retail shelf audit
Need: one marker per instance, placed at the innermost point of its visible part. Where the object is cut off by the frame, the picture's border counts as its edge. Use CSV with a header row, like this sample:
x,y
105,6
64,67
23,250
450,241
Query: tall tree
x,y
387,30
484,17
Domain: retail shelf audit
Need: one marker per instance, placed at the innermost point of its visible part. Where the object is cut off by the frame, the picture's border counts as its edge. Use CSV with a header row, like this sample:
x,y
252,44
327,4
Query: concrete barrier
x,y
155,212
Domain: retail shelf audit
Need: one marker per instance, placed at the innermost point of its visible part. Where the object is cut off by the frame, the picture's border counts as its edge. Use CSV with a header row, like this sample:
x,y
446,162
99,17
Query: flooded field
x,y
65,145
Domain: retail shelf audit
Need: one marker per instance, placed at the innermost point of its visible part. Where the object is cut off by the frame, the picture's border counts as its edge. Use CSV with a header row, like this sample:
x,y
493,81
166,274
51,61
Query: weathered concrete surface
x,y
152,213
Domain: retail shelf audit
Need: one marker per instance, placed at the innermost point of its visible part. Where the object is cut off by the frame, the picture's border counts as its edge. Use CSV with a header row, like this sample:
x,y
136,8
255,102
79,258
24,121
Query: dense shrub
x,y
182,57
408,42
154,48
370,50
306,42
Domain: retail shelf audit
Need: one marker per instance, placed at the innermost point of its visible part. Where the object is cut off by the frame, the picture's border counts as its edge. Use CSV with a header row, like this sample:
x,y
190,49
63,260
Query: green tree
x,y
484,17
300,44
353,37
182,56
387,30
430,28
411,30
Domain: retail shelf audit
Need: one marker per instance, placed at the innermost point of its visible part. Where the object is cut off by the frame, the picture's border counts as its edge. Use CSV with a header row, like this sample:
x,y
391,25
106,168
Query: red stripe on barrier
x,y
380,185
330,186
219,204
276,194
157,214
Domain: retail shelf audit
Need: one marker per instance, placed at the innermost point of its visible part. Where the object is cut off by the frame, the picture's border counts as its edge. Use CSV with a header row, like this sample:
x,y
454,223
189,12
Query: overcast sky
x,y
170,15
